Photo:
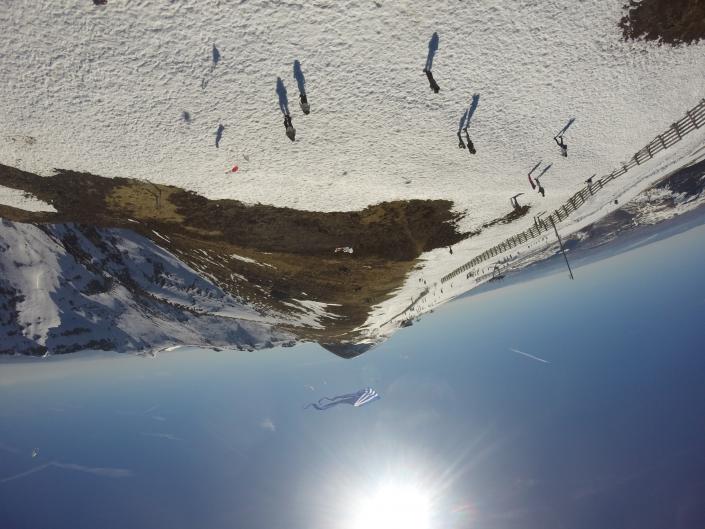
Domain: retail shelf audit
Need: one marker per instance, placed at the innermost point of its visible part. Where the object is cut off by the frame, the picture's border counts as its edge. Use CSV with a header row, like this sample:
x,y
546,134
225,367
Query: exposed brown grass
x,y
293,249
671,22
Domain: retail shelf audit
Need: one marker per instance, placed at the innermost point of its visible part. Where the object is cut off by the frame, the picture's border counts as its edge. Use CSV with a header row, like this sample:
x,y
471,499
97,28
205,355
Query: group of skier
x,y
467,115
284,101
558,138
535,182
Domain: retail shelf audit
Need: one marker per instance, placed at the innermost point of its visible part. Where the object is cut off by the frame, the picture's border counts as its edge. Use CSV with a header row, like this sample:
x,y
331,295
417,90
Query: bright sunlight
x,y
394,507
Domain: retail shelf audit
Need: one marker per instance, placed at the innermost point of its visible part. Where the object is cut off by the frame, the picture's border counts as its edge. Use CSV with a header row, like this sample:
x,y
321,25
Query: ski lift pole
x,y
560,242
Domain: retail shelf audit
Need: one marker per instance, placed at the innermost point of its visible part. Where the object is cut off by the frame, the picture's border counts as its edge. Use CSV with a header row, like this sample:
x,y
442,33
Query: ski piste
x,y
567,126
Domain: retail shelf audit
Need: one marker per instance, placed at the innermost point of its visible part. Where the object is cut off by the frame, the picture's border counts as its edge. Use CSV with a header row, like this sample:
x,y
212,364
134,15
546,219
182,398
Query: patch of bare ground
x,y
264,255
671,22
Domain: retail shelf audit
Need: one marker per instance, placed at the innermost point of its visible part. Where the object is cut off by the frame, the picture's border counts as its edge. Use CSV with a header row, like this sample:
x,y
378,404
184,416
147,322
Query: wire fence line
x,y
693,120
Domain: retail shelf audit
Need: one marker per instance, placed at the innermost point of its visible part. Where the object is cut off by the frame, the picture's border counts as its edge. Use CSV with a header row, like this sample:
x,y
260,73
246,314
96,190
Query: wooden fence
x,y
693,120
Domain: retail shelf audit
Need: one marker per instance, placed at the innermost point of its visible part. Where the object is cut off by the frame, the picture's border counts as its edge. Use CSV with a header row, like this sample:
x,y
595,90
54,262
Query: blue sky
x,y
606,431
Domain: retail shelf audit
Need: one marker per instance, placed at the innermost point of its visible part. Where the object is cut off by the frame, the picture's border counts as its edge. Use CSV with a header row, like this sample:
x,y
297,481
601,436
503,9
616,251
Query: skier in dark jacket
x,y
432,48
301,82
563,146
432,82
304,104
290,130
471,147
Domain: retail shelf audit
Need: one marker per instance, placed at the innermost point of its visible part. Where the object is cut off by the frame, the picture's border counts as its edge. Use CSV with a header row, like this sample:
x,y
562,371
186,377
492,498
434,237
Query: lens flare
x,y
393,507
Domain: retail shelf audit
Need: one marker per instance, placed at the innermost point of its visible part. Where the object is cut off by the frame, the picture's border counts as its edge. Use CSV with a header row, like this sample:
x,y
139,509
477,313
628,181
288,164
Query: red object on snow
x,y
235,168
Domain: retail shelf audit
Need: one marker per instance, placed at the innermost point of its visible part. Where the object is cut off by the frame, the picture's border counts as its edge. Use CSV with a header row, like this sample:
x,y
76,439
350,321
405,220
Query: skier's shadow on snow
x,y
219,135
432,49
283,99
299,76
215,53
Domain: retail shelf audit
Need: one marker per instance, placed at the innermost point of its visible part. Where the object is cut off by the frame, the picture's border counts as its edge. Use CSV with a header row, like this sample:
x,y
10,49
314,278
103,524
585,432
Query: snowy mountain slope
x,y
68,287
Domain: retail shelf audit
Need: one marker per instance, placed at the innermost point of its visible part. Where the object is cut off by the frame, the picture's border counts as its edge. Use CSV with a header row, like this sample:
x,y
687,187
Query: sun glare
x,y
394,507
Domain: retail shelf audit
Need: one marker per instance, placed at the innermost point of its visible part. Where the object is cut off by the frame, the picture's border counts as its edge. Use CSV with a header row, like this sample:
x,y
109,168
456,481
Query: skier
x,y
541,189
219,135
301,82
432,48
471,147
289,126
284,107
563,146
432,82
305,107
533,185
461,144
463,120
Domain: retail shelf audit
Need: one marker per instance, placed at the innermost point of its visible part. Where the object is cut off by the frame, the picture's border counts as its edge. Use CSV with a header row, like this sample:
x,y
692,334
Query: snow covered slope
x,y
65,288
103,89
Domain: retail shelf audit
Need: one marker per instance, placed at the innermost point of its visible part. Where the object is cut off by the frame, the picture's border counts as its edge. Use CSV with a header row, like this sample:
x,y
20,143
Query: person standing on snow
x,y
541,189
562,145
463,119
471,147
432,82
284,107
432,49
301,82
289,127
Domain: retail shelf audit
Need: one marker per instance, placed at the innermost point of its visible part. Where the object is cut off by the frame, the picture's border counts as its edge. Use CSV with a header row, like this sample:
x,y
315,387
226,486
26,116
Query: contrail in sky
x,y
530,356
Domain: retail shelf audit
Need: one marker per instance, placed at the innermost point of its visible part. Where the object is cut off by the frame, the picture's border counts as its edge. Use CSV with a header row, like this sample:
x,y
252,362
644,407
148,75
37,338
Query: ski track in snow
x,y
104,90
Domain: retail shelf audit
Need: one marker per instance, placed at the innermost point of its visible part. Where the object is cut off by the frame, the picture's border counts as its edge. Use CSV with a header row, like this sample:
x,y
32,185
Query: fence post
x,y
648,149
692,119
675,127
662,142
